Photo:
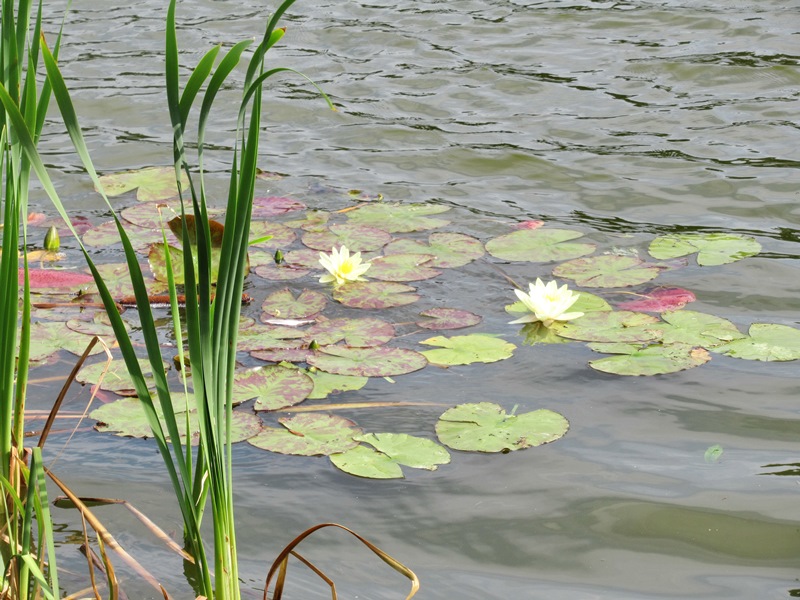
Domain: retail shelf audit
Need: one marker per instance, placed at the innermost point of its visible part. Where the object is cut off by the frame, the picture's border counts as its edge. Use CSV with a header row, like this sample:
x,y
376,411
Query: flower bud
x,y
52,242
278,257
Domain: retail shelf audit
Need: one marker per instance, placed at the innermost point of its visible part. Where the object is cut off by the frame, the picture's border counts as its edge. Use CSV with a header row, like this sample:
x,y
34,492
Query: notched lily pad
x,y
656,359
486,427
309,434
711,248
326,384
378,361
284,305
375,294
447,318
399,448
467,349
765,342
154,183
399,218
359,333
357,238
538,245
696,329
607,271
117,378
610,326
273,387
402,267
449,250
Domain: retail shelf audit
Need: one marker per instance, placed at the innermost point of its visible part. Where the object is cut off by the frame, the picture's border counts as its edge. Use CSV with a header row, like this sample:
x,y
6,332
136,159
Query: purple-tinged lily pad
x,y
273,387
607,271
281,272
379,361
467,349
359,333
655,359
282,236
315,220
712,248
265,207
402,267
660,300
298,354
357,238
106,234
283,304
269,337
116,276
155,184
449,250
375,294
399,218
447,318
538,245
310,434
610,326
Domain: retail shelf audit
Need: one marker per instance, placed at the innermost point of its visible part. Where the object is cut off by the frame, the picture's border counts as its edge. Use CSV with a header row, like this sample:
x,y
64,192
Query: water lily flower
x,y
547,303
342,267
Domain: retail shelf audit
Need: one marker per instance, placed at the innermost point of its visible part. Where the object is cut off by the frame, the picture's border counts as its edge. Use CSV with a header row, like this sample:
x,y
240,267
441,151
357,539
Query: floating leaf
x,y
106,234
326,384
216,230
610,326
766,342
262,337
712,248
536,333
399,218
117,378
49,338
402,267
283,304
45,280
447,318
467,349
485,427
153,183
265,207
315,220
353,332
449,250
279,235
379,361
656,359
158,263
696,329
538,245
660,300
273,387
399,448
585,303
713,454
117,277
607,271
375,294
357,238
309,434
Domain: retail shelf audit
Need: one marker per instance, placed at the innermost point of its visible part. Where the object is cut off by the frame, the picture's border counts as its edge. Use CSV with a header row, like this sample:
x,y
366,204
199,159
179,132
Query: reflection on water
x,y
625,119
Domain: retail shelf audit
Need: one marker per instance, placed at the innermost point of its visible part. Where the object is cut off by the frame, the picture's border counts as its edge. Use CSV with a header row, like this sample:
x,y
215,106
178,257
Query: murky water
x,y
621,119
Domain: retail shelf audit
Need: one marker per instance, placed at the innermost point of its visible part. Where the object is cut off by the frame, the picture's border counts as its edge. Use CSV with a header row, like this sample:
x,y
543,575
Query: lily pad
x,y
49,280
449,250
48,338
447,318
398,448
375,294
660,300
158,263
310,434
283,304
116,276
610,326
360,333
586,303
538,245
656,359
273,387
696,329
399,218
153,184
537,333
711,248
263,337
486,427
265,207
467,349
326,384
402,267
380,361
106,234
357,238
607,271
281,236
216,230
765,342
116,378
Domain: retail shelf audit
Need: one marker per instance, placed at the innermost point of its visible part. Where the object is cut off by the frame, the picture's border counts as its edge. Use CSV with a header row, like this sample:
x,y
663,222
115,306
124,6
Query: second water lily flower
x,y
547,303
342,267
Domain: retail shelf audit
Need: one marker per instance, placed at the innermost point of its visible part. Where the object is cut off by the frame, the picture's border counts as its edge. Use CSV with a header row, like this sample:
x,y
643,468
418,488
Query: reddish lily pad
x,y
378,361
607,271
298,354
360,333
399,218
216,230
539,245
655,359
402,267
357,238
712,248
154,184
273,387
449,250
265,207
610,326
660,300
375,294
467,349
447,318
47,280
282,236
310,434
284,305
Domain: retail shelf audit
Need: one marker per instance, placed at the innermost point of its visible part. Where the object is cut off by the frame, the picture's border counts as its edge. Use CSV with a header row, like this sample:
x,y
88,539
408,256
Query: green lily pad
x,y
48,338
711,248
155,184
399,448
284,305
116,378
326,384
310,434
399,218
485,427
447,318
765,342
449,250
656,359
610,326
106,234
282,236
537,333
263,337
585,303
314,220
607,271
375,294
158,263
402,267
380,361
696,329
357,238
273,387
360,333
467,349
539,245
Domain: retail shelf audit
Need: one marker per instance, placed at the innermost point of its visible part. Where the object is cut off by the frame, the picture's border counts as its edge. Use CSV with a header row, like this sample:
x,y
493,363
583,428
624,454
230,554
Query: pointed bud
x,y
278,257
51,240
314,345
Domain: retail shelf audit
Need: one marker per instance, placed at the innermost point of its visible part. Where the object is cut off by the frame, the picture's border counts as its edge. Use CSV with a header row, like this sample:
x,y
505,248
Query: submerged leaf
x,y
309,434
711,248
467,349
485,427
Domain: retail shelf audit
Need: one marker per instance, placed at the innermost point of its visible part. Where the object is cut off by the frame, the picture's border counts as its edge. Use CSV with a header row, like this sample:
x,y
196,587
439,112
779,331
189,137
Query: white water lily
x,y
547,303
342,267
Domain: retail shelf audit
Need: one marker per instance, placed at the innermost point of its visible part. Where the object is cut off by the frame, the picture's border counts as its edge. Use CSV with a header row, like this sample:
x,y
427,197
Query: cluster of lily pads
x,y
362,260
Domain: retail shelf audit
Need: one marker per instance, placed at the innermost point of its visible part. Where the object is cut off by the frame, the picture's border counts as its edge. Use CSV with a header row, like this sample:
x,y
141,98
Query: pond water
x,y
620,119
